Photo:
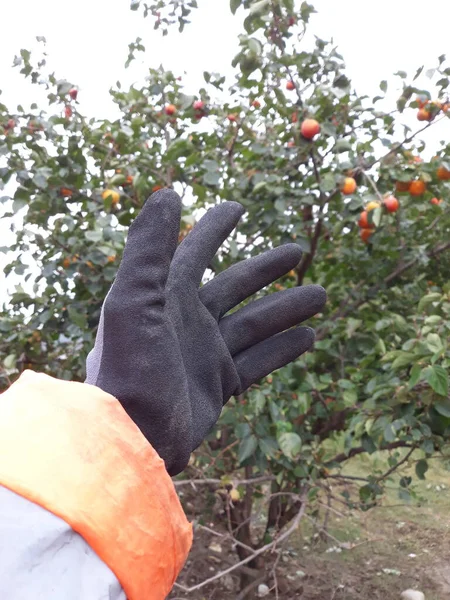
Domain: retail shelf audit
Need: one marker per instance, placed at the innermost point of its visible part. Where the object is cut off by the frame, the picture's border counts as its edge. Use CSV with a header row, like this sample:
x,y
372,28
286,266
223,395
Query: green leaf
x,y
443,408
64,87
18,204
290,444
415,375
428,447
389,433
259,8
346,384
247,448
77,318
437,377
421,468
368,444
93,236
404,359
376,216
269,447
350,397
428,299
383,86
352,326
234,5
211,178
342,146
255,46
10,361
434,343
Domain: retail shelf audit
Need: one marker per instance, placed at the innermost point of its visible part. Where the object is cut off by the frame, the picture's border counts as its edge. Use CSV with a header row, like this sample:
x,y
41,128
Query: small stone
x,y
263,590
300,574
412,595
228,583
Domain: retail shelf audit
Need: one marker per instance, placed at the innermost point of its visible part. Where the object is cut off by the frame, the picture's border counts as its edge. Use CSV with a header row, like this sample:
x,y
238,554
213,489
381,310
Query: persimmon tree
x,y
371,216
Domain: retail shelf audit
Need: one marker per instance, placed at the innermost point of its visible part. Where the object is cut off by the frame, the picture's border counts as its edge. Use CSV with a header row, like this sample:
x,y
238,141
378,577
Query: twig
x,y
372,183
395,467
405,141
360,450
350,477
225,536
433,224
307,259
233,144
233,482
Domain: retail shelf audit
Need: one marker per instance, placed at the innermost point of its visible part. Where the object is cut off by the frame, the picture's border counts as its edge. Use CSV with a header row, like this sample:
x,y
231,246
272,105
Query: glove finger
x,y
151,244
240,281
279,350
199,247
262,319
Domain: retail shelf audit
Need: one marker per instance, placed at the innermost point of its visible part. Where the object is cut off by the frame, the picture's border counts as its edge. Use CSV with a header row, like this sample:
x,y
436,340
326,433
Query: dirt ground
x,y
374,555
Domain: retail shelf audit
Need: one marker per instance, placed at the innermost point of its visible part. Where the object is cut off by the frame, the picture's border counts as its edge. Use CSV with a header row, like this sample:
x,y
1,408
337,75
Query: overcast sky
x,y
87,43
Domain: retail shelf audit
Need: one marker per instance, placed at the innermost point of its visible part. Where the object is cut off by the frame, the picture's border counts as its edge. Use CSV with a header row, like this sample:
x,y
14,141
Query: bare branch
x,y
360,450
234,482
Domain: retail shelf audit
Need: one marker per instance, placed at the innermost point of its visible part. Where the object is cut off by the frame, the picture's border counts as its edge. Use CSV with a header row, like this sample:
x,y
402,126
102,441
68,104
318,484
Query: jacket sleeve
x,y
41,556
97,494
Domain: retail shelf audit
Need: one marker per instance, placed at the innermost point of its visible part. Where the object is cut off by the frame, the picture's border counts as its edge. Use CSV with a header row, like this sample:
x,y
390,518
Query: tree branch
x,y
342,457
395,467
235,482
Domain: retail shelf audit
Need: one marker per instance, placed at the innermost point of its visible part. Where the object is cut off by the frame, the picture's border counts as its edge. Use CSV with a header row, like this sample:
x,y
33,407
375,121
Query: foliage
x,y
379,375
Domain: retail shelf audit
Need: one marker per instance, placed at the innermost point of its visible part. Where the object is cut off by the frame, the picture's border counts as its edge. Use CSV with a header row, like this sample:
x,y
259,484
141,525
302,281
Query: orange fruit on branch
x,y
423,115
170,109
365,235
309,128
349,186
391,204
417,187
290,85
112,194
363,221
443,174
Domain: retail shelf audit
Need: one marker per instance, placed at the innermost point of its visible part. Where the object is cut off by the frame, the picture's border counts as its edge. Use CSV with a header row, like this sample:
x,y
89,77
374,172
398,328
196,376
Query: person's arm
x,y
88,509
168,356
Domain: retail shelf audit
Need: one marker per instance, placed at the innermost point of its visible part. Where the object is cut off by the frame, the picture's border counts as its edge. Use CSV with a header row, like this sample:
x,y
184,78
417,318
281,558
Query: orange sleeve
x,y
72,449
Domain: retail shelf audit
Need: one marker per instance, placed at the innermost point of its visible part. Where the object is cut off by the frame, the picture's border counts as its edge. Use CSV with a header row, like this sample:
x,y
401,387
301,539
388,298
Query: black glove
x,y
165,349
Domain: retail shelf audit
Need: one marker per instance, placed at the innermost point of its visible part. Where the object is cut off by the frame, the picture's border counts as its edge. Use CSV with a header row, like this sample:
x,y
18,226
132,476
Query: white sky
x,y
87,43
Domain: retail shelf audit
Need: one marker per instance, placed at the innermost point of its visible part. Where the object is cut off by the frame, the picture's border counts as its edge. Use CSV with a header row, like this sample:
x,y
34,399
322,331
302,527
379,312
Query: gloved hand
x,y
165,348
